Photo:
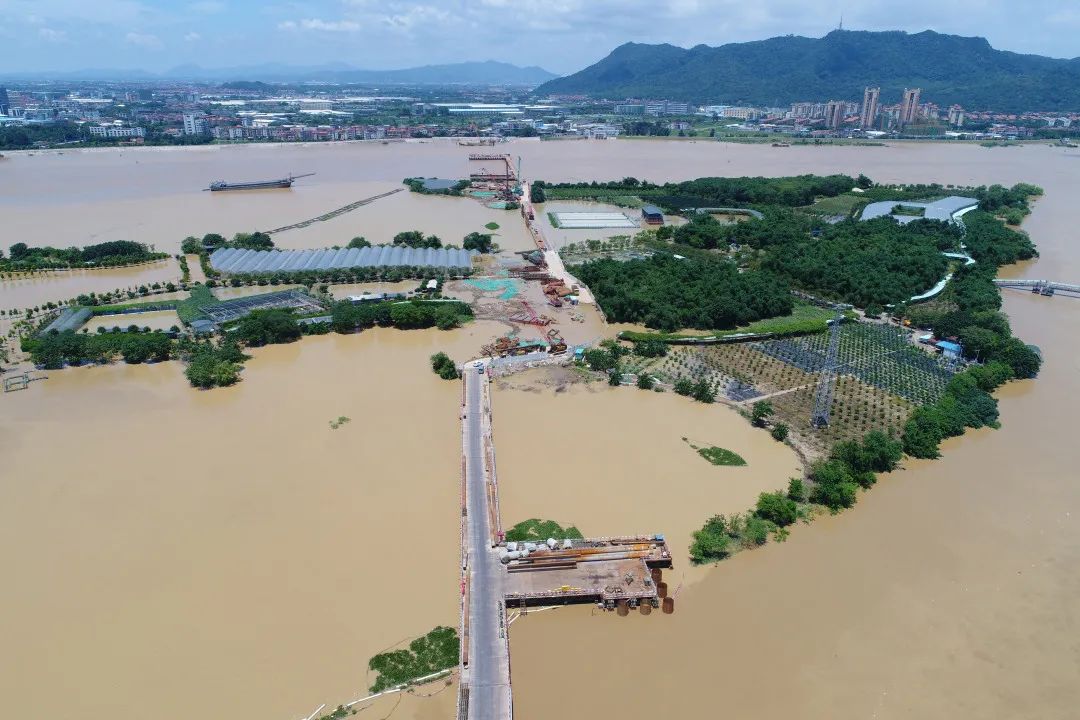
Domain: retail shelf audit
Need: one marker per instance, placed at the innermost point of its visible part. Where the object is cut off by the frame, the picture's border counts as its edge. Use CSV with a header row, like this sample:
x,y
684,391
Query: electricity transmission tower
x,y
819,417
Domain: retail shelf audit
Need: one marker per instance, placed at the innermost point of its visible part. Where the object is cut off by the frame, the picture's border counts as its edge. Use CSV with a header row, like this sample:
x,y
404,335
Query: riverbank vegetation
x,y
444,367
536,530
892,396
116,253
426,655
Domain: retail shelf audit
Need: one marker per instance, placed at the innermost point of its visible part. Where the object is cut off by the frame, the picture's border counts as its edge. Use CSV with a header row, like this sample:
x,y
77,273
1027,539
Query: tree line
x,y
106,254
723,191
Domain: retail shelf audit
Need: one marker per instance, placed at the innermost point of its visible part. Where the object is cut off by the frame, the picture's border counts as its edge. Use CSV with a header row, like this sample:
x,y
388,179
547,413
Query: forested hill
x,y
775,72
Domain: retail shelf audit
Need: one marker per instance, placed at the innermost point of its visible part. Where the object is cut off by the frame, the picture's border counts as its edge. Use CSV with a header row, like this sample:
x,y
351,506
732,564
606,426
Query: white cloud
x,y
192,37
321,25
143,40
52,35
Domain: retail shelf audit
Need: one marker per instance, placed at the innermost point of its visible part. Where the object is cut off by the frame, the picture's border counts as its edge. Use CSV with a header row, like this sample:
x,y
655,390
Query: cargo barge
x,y
285,182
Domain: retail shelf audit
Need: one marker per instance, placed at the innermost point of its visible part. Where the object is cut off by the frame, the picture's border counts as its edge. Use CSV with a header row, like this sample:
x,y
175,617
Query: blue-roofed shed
x,y
652,215
950,349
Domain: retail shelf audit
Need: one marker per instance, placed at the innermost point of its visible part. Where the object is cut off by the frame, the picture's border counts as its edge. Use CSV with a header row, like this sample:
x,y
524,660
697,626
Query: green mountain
x,y
949,69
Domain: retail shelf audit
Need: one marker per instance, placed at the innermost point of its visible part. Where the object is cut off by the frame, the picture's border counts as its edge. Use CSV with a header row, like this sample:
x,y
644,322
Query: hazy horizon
x,y
561,36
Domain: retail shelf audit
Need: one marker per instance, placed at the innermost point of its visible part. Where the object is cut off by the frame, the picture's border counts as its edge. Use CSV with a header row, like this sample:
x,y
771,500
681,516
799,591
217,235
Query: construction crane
x,y
819,417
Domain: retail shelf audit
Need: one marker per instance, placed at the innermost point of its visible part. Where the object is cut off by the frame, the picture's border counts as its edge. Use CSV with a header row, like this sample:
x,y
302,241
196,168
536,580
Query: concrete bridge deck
x,y
617,573
485,680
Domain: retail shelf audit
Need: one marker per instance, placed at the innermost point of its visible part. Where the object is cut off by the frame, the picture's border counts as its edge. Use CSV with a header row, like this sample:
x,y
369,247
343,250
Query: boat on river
x,y
285,182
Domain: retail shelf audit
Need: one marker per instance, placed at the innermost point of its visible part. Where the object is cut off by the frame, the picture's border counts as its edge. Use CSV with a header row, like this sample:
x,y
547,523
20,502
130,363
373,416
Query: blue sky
x,y
560,35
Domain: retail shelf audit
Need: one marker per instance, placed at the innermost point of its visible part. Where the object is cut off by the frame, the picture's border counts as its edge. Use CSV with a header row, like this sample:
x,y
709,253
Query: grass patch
x,y
718,455
438,650
845,204
535,530
492,226
335,424
803,320
191,308
554,220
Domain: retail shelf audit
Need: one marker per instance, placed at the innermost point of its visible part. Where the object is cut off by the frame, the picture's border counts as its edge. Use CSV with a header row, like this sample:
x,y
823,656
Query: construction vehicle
x,y
556,344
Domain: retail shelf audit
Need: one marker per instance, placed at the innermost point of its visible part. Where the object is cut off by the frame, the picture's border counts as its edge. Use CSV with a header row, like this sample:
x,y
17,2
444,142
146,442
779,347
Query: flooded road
x,y
227,554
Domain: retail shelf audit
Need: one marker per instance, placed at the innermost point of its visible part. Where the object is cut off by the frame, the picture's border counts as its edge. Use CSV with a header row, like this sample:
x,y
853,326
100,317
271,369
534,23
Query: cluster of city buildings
x,y
252,112
872,115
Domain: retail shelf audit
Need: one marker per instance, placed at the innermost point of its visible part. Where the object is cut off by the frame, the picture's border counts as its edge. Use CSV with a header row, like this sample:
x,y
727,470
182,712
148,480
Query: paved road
x,y
489,664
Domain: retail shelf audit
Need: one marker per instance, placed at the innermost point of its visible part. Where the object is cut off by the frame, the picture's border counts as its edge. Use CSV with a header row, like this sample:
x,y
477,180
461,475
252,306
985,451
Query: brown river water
x,y
227,554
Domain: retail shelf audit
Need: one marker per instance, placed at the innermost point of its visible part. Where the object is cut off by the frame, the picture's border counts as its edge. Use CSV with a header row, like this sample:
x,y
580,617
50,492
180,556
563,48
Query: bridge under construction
x,y
617,573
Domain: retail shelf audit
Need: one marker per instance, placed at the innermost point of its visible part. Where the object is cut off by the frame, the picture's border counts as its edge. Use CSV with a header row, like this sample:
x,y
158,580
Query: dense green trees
x,y
416,239
358,242
834,485
991,243
668,293
711,542
650,348
967,402
268,327
863,263
347,317
54,350
444,367
211,365
760,413
536,192
480,242
106,254
191,245
719,191
777,508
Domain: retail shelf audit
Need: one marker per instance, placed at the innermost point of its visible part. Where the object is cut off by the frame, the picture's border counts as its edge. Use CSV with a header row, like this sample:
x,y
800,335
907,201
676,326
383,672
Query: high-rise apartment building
x,y
871,97
194,124
909,108
834,113
5,104
956,116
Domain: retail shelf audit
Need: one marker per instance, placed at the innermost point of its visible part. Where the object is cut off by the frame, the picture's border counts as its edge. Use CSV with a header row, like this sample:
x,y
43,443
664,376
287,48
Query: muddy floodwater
x,y
227,554
27,290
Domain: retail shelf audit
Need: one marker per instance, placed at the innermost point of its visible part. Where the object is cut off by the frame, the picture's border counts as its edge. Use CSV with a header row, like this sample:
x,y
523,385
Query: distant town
x,y
56,114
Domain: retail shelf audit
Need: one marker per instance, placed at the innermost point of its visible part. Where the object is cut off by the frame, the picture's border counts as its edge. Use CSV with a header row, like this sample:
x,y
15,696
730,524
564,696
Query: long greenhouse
x,y
238,261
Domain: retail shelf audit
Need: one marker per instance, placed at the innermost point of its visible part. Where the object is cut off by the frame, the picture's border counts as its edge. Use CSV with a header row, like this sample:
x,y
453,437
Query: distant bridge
x,y
1040,287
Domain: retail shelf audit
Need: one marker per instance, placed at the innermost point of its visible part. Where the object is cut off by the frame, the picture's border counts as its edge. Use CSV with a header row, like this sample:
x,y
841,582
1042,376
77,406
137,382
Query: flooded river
x,y
227,554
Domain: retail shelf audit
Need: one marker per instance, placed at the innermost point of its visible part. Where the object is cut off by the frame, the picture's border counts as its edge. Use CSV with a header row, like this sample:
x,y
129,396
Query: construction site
x,y
620,573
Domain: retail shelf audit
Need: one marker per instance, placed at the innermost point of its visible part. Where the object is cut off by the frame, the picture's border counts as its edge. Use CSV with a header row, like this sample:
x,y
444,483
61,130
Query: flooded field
x,y
156,320
30,290
229,549
622,466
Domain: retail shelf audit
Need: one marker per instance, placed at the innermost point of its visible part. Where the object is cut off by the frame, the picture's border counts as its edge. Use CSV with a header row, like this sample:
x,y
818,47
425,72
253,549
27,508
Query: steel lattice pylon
x,y
819,416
